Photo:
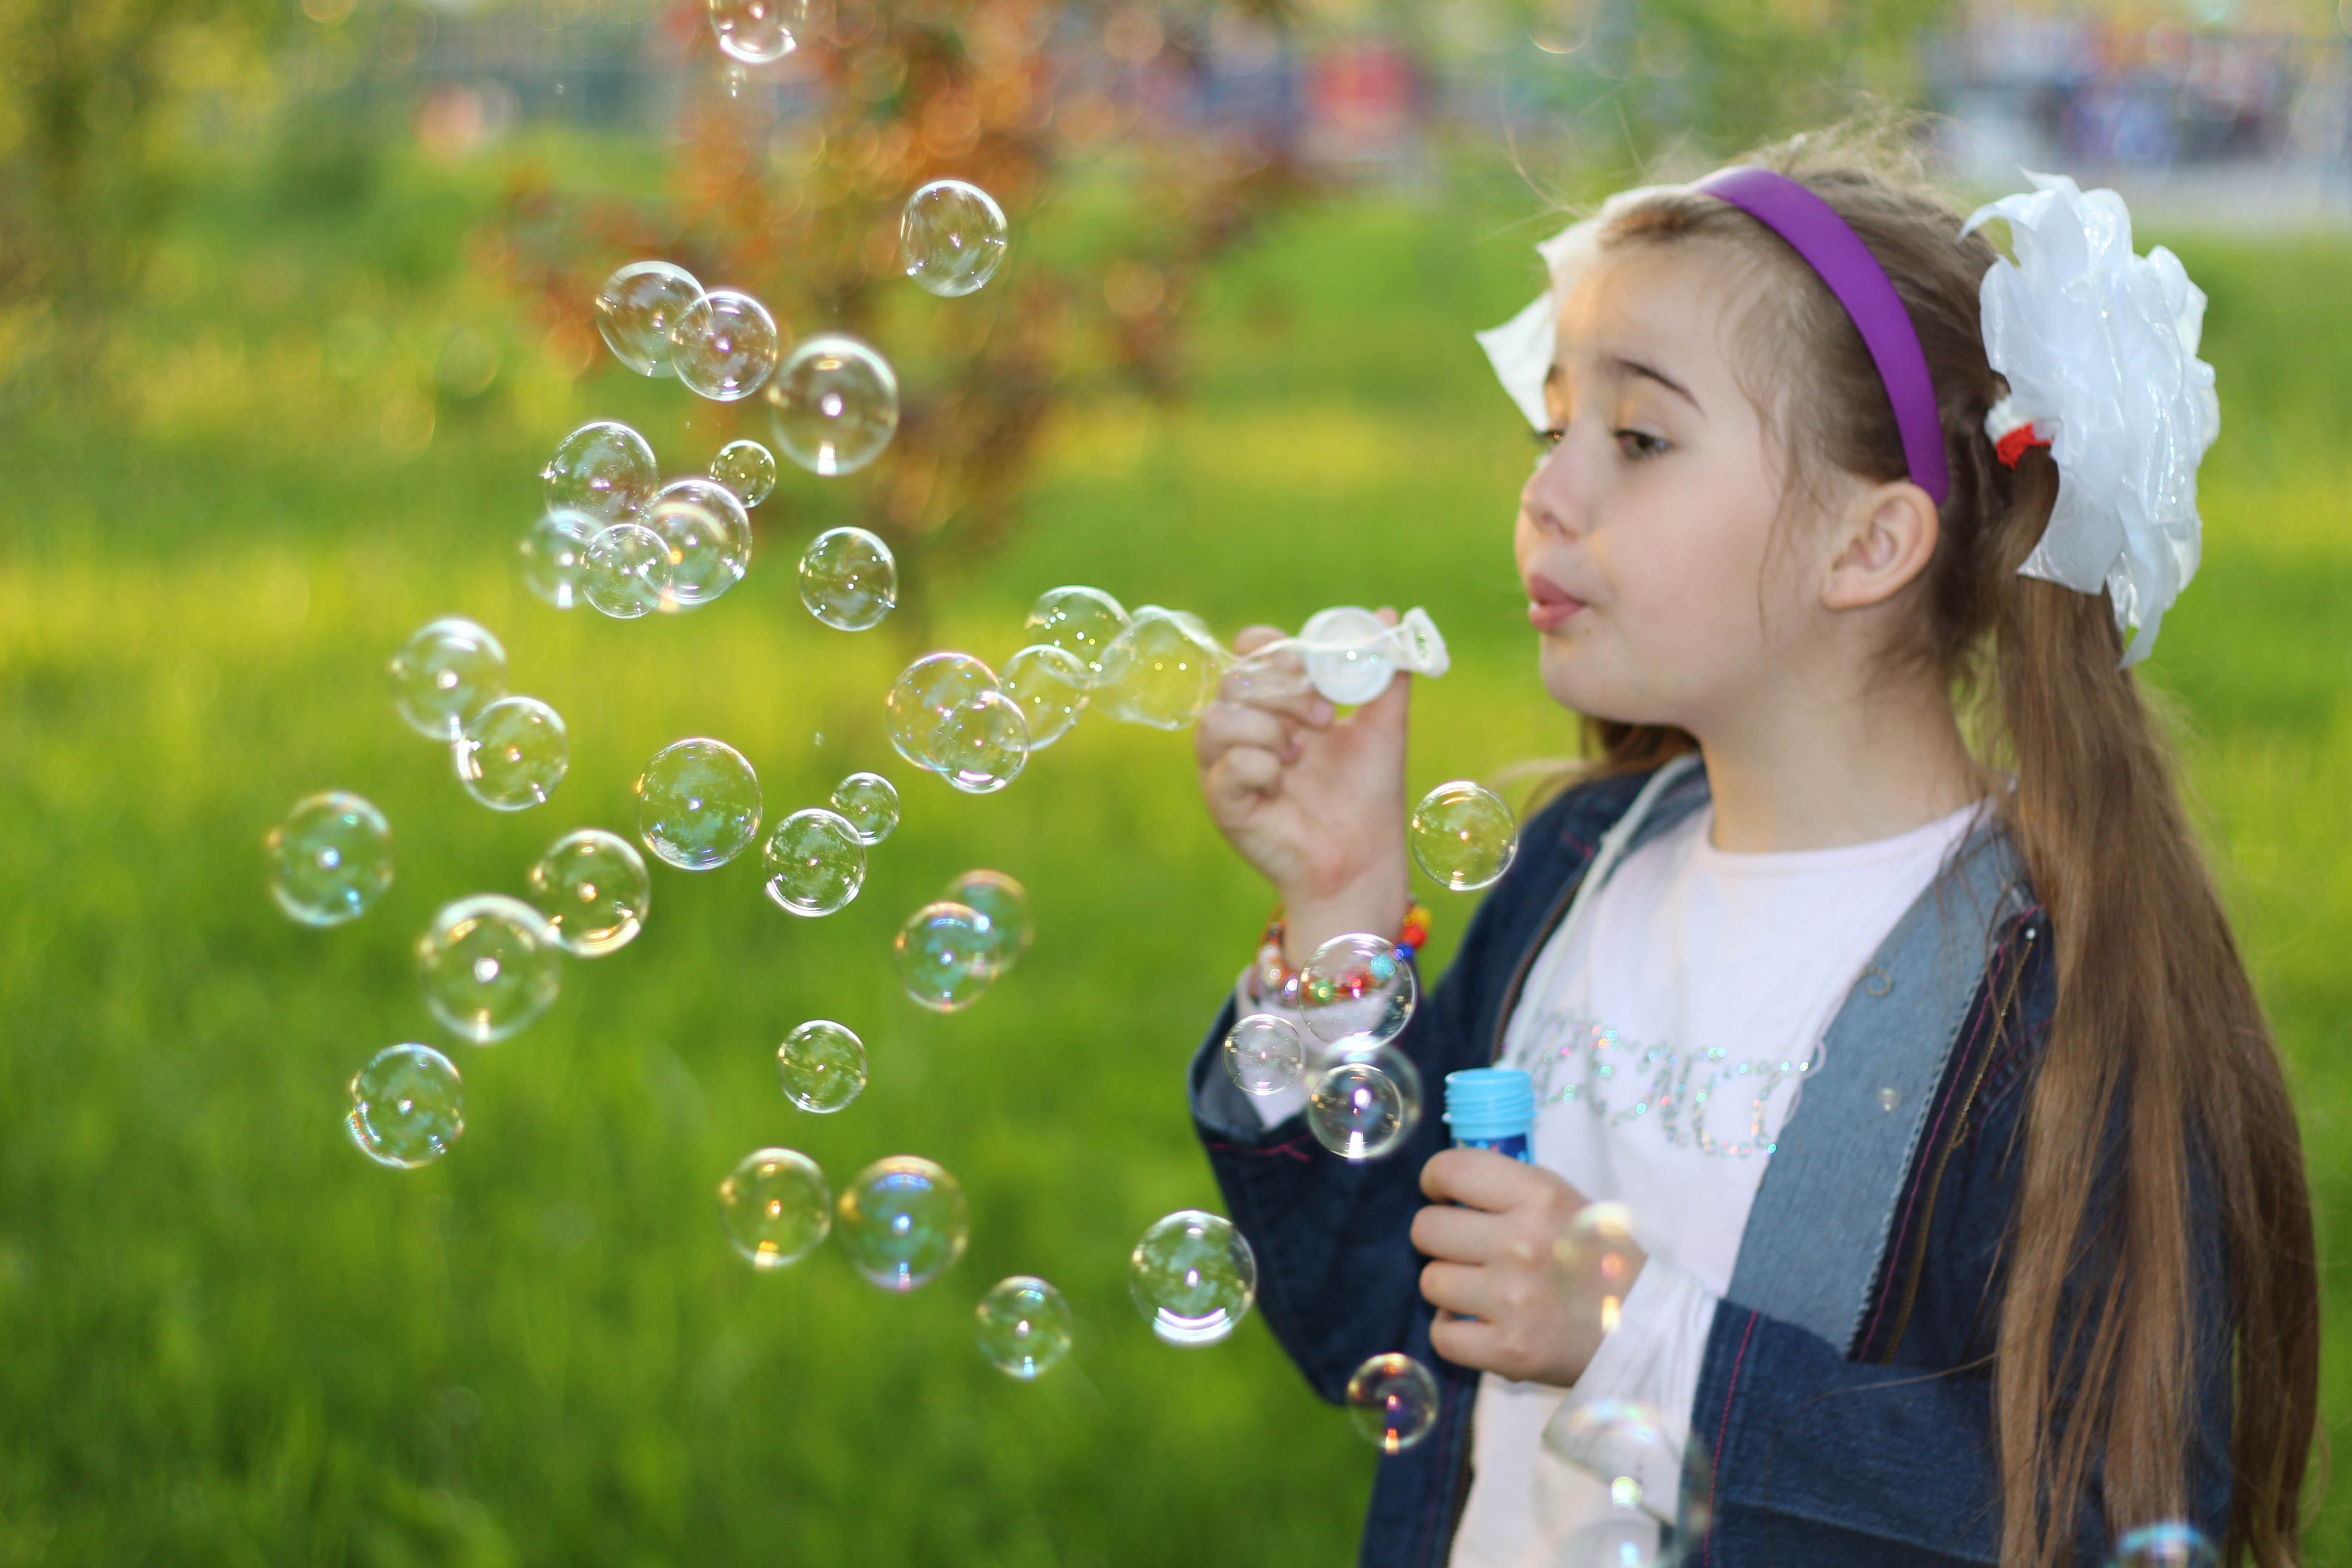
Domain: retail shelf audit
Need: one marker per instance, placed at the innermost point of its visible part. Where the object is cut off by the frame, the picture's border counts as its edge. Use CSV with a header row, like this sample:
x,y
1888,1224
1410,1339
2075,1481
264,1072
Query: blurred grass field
x,y
227,1337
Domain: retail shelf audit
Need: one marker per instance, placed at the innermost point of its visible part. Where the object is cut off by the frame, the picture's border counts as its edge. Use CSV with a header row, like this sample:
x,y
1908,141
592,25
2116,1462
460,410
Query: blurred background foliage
x,y
292,307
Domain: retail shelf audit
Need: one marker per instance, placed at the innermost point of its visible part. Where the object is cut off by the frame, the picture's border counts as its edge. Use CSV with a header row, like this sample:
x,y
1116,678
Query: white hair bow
x,y
2099,348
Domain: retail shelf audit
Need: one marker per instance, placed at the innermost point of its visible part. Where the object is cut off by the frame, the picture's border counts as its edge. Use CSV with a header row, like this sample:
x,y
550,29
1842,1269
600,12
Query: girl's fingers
x,y
1243,771
1249,639
1483,1179
1460,1288
1224,725
1465,1342
1454,1235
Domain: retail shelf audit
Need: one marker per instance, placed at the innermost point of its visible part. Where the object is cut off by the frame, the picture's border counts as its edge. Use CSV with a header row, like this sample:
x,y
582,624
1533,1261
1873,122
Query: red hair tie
x,y
2011,433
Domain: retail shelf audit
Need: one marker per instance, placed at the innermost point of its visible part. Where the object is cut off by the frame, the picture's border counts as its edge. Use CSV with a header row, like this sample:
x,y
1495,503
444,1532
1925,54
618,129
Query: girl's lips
x,y
1549,606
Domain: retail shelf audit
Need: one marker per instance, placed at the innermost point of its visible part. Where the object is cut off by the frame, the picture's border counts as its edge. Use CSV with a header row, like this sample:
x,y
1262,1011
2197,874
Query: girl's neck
x,y
1819,775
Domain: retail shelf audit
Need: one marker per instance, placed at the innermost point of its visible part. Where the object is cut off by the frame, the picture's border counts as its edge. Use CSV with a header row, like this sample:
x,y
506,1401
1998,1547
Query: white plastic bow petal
x,y
1521,349
2099,347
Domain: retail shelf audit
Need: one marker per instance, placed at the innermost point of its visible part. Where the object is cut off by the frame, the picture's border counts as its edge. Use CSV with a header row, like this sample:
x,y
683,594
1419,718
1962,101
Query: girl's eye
x,y
1547,442
1640,444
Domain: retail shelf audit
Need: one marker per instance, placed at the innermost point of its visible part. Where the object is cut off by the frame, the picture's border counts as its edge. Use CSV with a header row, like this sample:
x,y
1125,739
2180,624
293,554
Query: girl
x,y
1845,533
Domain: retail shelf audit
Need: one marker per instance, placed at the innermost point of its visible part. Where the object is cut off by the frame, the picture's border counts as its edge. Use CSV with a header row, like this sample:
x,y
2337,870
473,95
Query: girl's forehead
x,y
1639,302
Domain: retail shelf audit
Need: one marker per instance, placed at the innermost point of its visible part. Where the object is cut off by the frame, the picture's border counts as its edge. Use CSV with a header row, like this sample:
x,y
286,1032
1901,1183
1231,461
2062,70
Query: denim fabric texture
x,y
1843,1407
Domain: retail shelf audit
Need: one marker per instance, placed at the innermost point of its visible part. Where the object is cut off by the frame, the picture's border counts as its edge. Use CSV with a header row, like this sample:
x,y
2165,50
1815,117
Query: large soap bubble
x,y
626,573
1050,684
637,307
943,953
756,32
1393,1401
1077,620
833,405
815,862
951,238
747,469
1360,1112
1599,1258
1025,1327
849,579
1358,986
1625,1444
724,346
925,695
407,1107
776,1207
697,804
982,744
1462,836
555,556
708,535
1192,1277
869,803
594,889
443,674
513,753
1003,903
821,1066
488,963
903,1221
329,859
604,469
1161,670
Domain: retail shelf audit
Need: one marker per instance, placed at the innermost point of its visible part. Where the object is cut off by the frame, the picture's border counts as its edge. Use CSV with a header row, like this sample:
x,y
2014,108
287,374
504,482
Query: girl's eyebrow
x,y
1632,367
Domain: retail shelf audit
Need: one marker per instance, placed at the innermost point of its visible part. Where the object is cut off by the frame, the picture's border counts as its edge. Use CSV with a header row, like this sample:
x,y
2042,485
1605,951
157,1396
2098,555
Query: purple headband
x,y
1814,230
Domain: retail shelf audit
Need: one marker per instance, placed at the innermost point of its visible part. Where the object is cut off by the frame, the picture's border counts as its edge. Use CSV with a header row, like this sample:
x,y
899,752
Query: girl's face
x,y
1644,538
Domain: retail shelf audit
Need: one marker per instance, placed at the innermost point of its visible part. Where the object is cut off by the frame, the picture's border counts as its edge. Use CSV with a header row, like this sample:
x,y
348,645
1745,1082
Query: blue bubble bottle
x,y
1492,1108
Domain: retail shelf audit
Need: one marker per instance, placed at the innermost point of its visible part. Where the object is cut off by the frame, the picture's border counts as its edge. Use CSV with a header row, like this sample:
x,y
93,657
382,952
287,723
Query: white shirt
x,y
1669,1034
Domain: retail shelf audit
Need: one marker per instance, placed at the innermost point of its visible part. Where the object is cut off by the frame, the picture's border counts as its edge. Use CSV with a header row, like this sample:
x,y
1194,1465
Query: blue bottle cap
x,y
1489,1103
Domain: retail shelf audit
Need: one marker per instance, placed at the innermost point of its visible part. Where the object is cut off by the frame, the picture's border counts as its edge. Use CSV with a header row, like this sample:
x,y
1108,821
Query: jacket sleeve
x,y
1339,1279
1820,1461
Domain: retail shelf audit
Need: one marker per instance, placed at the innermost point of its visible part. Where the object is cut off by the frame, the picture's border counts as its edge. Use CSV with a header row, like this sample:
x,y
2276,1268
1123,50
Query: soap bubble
x,y
982,744
943,956
1463,836
1050,684
849,580
593,890
2171,1544
821,1066
1357,985
758,31
1623,1443
1161,670
1003,903
951,238
1346,651
555,555
747,469
1393,1401
708,535
627,570
1264,1054
513,753
869,804
1601,1259
1083,621
489,965
441,676
1273,672
833,405
815,862
1025,1327
925,692
776,1207
604,469
1192,1277
329,859
1357,1111
697,804
637,307
407,1107
903,1221
725,345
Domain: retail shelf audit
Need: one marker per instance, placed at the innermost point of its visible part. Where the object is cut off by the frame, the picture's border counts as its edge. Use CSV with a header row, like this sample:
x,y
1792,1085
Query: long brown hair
x,y
2158,1062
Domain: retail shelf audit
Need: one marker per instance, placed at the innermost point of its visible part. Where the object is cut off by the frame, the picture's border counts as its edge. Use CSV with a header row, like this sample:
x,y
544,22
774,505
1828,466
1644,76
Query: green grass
x,y
224,1337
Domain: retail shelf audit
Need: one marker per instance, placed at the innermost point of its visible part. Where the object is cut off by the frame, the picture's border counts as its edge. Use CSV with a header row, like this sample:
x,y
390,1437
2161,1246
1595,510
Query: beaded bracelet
x,y
1272,982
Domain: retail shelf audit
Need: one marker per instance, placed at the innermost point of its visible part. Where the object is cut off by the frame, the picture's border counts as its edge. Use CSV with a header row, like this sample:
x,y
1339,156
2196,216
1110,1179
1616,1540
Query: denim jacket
x,y
1845,1401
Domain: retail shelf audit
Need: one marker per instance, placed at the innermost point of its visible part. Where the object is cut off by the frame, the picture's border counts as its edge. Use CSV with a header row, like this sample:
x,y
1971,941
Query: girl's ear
x,y
1889,538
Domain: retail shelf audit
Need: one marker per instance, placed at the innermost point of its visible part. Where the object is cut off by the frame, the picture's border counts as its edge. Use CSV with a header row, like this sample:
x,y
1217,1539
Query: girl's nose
x,y
1549,499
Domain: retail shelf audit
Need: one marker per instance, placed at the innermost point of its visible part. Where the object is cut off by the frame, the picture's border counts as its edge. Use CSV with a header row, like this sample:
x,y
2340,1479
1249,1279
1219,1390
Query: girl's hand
x,y
1315,803
1505,1303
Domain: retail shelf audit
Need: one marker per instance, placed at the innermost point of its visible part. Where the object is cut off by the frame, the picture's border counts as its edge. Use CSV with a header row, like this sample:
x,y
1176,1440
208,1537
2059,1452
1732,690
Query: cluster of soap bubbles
x,y
953,950
449,682
1624,1445
617,538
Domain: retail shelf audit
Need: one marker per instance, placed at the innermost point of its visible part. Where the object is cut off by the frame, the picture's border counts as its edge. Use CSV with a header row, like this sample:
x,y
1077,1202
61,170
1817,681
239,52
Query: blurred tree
x,y
92,142
1083,119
